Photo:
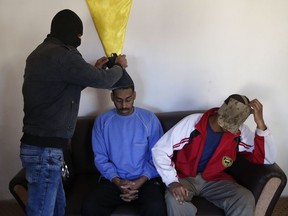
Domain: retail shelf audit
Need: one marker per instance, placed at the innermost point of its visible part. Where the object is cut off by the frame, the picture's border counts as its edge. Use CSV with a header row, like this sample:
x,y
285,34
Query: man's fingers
x,y
131,195
180,194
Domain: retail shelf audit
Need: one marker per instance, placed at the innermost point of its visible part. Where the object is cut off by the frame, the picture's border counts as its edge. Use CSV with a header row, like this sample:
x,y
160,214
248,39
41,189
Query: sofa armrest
x,y
265,181
18,188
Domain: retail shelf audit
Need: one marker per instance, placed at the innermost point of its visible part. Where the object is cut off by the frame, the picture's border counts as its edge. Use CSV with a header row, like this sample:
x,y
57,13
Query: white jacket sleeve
x,y
259,143
174,139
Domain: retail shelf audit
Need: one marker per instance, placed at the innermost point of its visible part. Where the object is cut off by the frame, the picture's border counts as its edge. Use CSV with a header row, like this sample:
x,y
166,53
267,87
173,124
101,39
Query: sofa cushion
x,y
82,184
206,208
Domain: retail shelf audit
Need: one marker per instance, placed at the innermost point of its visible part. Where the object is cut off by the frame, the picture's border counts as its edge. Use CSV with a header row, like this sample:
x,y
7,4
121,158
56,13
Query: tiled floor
x,y
11,208
281,208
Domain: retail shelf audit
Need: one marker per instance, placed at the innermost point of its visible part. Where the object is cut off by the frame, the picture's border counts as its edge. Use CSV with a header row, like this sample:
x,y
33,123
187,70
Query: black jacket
x,y
55,75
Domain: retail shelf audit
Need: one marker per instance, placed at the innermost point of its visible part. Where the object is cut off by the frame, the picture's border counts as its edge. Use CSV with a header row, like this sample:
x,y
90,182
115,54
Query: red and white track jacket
x,y
257,147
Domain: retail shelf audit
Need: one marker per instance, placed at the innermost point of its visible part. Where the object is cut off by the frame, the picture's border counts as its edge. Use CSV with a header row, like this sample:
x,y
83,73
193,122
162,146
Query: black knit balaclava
x,y
66,26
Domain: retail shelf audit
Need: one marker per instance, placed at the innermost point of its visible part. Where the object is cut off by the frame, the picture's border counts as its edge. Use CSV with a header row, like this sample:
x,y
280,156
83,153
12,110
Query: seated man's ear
x,y
134,95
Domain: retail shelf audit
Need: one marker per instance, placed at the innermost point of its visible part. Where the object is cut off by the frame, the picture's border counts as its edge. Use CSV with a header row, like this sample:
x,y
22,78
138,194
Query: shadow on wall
x,y
11,115
94,101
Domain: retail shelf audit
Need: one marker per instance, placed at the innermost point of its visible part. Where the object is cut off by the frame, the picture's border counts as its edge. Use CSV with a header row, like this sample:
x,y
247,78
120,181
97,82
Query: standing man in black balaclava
x,y
54,76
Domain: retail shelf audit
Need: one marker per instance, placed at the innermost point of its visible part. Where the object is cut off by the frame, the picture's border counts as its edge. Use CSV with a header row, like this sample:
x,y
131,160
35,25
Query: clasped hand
x,y
129,192
129,189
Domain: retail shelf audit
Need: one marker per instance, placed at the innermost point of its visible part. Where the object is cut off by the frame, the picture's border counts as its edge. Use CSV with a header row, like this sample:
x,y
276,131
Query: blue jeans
x,y
43,165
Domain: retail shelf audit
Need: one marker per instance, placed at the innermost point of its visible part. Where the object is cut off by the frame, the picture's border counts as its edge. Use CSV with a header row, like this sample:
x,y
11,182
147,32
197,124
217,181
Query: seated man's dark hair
x,y
127,87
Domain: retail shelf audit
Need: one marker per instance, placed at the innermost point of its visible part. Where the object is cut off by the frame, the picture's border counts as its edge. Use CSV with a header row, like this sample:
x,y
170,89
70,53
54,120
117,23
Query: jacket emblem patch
x,y
227,161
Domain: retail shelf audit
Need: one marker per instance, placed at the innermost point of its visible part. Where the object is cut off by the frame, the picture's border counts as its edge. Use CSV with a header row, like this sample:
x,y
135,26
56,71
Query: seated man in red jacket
x,y
206,145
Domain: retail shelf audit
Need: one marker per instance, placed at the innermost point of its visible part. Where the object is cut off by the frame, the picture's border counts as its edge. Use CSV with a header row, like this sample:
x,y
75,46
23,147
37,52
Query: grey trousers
x,y
233,198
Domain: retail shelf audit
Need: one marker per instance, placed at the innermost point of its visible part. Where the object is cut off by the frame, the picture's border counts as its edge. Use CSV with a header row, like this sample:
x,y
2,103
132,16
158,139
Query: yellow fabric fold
x,y
110,18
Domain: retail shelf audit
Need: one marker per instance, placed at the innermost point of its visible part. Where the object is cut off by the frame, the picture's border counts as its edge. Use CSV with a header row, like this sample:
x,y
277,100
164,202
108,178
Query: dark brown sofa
x,y
265,181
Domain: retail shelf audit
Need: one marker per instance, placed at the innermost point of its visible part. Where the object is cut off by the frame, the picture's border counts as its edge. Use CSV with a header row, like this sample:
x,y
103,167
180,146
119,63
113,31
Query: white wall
x,y
184,54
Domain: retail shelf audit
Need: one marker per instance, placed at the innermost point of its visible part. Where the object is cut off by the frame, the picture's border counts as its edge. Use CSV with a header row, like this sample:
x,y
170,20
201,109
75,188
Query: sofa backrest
x,y
169,119
81,147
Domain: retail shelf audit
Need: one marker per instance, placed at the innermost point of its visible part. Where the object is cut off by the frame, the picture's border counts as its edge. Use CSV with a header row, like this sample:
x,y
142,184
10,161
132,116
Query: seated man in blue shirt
x,y
122,140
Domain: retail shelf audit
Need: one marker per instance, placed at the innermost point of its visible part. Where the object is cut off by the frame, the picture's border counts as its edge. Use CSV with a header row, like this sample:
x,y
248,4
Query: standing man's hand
x,y
179,192
101,63
257,110
121,60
